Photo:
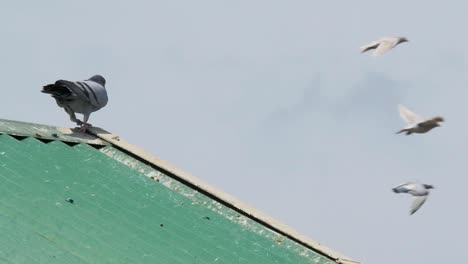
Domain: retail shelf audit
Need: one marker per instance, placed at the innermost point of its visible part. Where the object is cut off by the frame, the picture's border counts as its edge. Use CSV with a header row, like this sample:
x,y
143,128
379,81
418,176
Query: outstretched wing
x,y
385,45
409,117
372,45
418,201
405,187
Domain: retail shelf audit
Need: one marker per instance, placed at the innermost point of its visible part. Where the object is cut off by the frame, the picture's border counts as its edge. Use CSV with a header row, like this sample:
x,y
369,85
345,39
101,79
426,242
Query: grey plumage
x,y
419,192
82,97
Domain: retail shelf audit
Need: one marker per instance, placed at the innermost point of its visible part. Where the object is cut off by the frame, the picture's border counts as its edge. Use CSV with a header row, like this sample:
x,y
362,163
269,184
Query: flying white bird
x,y
383,45
415,123
418,190
82,97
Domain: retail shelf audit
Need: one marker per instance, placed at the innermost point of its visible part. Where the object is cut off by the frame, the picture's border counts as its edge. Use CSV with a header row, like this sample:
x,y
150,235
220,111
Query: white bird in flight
x,y
418,190
417,124
383,45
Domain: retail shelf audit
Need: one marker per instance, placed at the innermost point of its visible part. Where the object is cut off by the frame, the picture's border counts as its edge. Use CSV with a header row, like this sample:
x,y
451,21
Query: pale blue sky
x,y
272,102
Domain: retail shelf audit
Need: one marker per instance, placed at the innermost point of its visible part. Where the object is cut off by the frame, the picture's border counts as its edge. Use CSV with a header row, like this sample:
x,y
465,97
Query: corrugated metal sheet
x,y
48,132
76,203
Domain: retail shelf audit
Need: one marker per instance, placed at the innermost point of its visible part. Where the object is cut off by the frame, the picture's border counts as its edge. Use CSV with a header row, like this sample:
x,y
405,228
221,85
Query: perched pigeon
x,y
419,192
416,124
383,45
82,97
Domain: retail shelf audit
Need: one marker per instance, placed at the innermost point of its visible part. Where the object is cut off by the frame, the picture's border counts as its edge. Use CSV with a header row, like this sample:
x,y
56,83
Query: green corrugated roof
x,y
67,197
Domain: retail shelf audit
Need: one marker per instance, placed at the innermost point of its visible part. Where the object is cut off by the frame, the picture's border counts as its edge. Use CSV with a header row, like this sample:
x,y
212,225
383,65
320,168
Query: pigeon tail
x,y
408,131
56,90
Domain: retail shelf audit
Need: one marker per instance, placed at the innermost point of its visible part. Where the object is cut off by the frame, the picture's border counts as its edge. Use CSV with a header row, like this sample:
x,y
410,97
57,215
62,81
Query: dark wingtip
x,y
394,190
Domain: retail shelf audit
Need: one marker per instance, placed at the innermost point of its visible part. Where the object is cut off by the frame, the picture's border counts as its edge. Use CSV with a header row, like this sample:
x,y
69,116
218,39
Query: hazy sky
x,y
272,102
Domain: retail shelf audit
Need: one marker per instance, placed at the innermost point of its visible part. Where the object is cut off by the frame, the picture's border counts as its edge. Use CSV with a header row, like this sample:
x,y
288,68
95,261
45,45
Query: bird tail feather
x,y
56,90
408,131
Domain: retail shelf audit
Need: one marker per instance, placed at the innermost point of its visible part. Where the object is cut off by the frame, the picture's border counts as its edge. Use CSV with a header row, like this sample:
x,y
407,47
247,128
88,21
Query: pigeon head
x,y
98,79
402,39
428,186
438,119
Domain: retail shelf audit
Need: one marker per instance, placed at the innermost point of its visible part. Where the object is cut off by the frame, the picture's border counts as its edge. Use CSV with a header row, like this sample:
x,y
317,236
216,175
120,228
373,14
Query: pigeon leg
x,y
73,117
84,128
85,125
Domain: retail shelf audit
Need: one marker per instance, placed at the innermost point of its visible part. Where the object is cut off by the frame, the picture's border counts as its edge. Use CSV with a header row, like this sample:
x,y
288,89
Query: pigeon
x,y
416,124
82,97
383,45
419,192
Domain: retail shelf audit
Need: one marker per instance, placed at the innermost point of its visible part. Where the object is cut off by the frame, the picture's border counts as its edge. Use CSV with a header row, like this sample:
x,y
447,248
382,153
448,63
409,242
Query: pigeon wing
x,y
408,116
384,46
87,92
404,188
77,91
95,92
369,46
418,201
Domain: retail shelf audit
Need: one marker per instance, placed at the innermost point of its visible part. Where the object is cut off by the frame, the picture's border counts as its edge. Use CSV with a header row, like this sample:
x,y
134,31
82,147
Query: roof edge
x,y
221,196
44,132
